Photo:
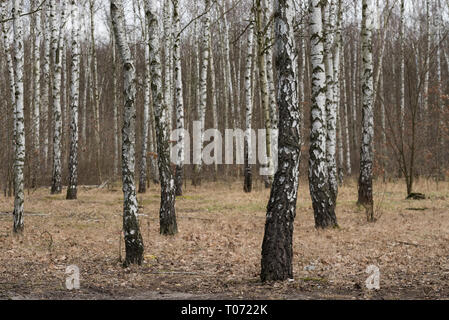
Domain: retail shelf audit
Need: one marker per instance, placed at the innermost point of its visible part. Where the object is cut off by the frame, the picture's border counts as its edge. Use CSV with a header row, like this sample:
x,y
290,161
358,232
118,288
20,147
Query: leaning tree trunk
x,y
277,246
318,173
56,41
366,152
167,214
74,103
19,126
179,99
133,239
247,185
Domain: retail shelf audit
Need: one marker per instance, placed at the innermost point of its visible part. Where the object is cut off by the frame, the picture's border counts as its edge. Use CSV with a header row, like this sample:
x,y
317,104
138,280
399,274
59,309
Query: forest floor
x,y
216,254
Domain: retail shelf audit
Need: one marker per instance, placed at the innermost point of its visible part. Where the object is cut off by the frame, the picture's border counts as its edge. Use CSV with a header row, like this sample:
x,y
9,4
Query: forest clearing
x,y
216,253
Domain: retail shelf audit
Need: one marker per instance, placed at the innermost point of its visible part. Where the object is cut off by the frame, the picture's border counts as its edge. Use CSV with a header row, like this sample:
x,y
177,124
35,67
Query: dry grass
x,y
217,251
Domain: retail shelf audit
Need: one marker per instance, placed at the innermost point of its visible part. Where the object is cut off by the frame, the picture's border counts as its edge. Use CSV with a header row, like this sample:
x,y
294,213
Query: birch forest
x,y
224,149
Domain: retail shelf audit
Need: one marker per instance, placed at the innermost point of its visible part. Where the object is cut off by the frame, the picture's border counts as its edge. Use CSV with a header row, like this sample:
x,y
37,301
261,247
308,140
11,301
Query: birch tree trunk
x,y
318,172
19,126
277,247
46,85
7,47
167,215
56,41
145,120
214,100
203,86
36,94
346,116
133,239
268,10
329,10
95,94
355,88
74,103
168,62
366,153
260,24
179,98
115,106
247,185
338,53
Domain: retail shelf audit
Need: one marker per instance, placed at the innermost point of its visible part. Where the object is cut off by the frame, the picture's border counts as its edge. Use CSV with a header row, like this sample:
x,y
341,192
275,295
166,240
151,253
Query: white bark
x,y
19,126
203,82
330,51
179,98
56,42
318,171
168,60
95,90
46,84
133,239
264,89
277,251
145,116
36,93
167,215
249,107
74,102
366,154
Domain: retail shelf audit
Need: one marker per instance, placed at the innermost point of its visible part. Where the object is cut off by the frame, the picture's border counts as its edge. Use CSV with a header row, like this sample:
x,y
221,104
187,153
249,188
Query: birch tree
x,y
145,117
36,93
247,185
95,90
168,59
167,215
133,239
263,85
329,10
56,43
203,84
179,98
7,48
277,247
46,83
366,153
74,102
318,171
19,125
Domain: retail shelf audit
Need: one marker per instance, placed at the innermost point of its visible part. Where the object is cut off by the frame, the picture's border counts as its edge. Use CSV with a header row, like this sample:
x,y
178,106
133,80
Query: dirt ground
x,y
216,253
